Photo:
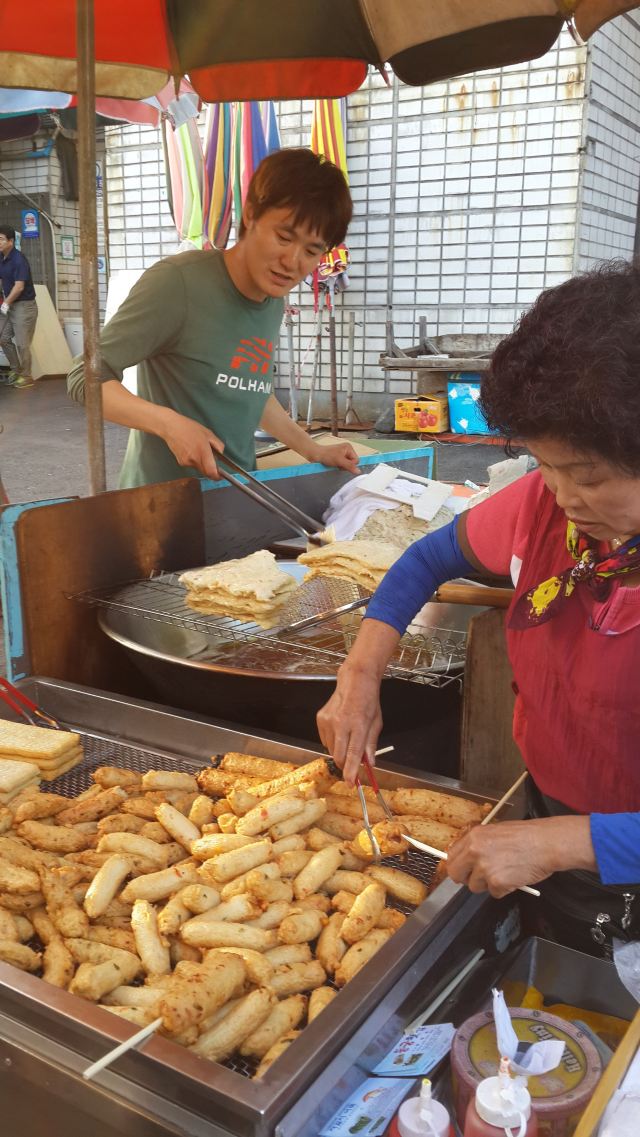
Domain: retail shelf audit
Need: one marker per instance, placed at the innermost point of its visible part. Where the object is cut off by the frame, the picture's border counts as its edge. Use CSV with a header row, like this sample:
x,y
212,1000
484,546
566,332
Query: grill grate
x,y
100,750
435,658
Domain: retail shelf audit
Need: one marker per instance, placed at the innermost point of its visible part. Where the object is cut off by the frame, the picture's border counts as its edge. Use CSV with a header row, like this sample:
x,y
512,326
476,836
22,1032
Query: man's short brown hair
x,y
310,185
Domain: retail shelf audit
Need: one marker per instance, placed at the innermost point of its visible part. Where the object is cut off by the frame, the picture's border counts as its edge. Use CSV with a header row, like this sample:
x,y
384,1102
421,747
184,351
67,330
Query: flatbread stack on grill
x,y
362,562
252,589
45,753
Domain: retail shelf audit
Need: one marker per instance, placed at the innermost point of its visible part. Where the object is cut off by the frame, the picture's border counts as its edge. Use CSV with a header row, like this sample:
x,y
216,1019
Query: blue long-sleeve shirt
x,y
408,585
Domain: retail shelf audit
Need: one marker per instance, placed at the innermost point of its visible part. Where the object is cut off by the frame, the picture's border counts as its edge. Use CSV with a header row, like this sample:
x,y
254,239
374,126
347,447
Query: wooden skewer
x,y
441,856
107,1059
505,798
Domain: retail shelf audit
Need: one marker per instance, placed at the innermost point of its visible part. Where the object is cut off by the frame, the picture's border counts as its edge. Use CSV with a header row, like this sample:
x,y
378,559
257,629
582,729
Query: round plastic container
x,y
74,336
559,1097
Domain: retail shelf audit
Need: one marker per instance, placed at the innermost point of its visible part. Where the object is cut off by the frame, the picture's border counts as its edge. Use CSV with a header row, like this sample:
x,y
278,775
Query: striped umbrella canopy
x,y
249,49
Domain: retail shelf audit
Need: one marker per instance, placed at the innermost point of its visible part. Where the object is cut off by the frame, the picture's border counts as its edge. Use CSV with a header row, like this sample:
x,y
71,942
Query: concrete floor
x,y
43,445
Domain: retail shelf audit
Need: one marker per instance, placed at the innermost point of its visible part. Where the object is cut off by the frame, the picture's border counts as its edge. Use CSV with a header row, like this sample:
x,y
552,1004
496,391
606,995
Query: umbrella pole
x,y
89,240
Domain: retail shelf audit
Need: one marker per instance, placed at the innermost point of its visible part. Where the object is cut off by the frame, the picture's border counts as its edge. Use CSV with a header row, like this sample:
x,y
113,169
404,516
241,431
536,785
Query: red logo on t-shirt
x,y
254,353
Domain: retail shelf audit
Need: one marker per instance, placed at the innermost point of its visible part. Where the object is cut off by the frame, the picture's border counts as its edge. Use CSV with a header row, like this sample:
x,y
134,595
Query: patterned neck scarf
x,y
548,598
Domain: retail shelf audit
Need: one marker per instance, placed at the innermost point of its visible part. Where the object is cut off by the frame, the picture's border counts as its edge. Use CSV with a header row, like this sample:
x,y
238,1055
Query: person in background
x,y
567,382
203,325
18,310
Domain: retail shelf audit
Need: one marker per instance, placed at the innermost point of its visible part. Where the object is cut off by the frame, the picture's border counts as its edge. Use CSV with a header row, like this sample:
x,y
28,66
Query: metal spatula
x,y
318,600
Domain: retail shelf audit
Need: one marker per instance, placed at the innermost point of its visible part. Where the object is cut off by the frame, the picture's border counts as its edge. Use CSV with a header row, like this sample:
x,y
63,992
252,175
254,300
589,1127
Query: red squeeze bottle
x,y
501,1106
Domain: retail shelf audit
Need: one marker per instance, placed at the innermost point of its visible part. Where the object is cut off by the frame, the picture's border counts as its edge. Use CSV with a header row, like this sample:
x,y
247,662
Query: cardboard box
x,y
464,413
425,414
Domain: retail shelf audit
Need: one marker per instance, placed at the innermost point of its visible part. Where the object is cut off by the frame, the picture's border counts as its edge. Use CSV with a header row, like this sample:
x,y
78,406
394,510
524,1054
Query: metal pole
x,y
350,416
333,366
86,86
317,358
293,390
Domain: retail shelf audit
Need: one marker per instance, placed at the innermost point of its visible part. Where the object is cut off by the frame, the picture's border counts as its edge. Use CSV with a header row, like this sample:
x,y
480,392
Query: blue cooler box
x,y
463,392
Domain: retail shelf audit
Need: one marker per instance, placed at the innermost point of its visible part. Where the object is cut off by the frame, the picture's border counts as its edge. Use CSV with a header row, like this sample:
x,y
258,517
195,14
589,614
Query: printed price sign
x,y
418,1052
369,1110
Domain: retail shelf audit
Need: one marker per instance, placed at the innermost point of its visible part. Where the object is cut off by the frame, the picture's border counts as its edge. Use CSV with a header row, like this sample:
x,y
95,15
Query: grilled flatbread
x,y
363,562
251,589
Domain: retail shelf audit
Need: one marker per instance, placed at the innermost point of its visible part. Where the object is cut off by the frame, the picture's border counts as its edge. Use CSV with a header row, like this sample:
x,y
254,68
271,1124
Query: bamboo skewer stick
x,y
505,798
118,1051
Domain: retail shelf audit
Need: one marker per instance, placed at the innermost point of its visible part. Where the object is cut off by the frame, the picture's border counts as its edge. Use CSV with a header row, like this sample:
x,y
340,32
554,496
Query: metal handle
x,y
373,781
476,594
307,526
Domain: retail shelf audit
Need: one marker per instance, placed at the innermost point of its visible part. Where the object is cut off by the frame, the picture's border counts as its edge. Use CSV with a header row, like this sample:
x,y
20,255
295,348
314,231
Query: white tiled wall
x,y
141,229
465,199
607,217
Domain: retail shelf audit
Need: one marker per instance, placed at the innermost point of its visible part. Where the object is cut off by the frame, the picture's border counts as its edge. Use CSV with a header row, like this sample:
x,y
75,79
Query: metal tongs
x,y
24,706
306,526
373,840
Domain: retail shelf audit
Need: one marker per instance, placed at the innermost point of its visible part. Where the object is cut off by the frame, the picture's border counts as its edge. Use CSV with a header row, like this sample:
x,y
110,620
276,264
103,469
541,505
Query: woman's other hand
x,y
502,857
350,723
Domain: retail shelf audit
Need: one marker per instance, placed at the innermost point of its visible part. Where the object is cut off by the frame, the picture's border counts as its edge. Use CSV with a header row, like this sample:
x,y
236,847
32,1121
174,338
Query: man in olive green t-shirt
x,y
202,327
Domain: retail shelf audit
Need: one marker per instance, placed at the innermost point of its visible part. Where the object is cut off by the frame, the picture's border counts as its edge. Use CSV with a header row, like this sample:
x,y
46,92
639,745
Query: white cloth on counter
x,y
352,505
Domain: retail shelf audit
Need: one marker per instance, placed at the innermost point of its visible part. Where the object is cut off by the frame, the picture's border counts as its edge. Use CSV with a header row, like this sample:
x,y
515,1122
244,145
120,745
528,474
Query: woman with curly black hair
x,y
567,382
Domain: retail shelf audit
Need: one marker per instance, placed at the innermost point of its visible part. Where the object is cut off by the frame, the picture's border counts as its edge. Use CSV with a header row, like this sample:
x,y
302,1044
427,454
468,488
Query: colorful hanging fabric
x,y
188,192
219,134
328,130
239,136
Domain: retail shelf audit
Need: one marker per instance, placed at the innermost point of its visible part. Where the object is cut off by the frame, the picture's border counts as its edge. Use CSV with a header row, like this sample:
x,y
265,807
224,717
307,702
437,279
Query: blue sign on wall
x,y
30,223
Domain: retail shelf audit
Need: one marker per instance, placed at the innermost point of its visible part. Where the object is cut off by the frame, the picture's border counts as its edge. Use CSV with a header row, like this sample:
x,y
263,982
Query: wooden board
x,y
489,758
50,351
98,542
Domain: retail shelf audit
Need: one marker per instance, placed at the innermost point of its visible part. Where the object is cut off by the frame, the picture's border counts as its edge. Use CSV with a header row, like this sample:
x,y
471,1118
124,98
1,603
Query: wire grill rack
x,y
432,656
99,751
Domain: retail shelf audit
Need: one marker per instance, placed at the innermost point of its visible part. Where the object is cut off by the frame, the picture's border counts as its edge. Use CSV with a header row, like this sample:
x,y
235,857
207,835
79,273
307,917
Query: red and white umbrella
x,y
252,49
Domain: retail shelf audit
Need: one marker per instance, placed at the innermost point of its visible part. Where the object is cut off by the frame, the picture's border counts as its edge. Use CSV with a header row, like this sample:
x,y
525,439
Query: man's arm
x,y
277,422
190,442
17,289
146,324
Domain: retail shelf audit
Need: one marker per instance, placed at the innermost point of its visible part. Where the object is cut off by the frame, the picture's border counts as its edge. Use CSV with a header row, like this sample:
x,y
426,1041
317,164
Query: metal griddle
x,y
166,1078
150,617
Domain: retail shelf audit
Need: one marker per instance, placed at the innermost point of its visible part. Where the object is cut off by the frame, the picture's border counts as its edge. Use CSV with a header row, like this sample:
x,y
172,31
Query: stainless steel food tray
x,y
142,735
